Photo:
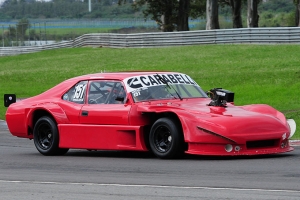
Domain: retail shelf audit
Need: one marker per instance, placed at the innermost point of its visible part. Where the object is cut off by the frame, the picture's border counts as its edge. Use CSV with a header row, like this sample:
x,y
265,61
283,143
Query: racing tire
x,y
166,139
46,137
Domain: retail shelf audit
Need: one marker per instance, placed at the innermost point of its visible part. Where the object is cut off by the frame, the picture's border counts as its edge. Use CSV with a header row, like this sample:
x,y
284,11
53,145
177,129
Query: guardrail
x,y
285,35
7,51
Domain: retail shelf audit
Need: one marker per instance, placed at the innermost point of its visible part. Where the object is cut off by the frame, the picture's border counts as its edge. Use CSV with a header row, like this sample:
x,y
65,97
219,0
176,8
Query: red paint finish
x,y
106,137
105,114
87,118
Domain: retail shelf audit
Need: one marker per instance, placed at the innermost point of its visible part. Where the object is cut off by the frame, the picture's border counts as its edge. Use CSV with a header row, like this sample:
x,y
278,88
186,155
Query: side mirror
x,y
9,99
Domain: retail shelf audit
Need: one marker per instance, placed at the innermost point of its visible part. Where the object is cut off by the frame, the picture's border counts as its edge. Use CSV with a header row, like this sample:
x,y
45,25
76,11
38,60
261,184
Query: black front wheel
x,y
46,138
166,139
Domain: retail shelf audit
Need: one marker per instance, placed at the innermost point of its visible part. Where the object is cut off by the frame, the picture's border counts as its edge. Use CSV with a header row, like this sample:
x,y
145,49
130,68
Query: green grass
x,y
267,74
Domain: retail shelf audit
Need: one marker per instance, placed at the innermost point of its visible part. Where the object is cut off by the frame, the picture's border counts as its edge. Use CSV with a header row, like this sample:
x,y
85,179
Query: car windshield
x,y
158,92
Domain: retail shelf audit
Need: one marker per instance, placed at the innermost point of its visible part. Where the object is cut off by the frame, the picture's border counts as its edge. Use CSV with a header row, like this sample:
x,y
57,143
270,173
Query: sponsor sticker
x,y
135,82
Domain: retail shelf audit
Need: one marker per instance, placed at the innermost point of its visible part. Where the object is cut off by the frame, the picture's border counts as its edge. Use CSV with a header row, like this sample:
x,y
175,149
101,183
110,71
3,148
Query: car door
x,y
105,105
103,117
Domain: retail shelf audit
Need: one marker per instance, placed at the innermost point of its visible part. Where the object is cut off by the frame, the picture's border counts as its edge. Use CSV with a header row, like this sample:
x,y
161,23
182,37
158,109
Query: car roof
x,y
118,75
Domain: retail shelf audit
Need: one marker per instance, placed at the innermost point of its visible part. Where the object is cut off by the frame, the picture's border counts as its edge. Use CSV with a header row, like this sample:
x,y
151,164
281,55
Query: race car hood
x,y
231,122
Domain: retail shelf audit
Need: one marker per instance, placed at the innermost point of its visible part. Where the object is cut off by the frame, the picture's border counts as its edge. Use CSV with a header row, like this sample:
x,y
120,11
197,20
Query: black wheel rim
x,y
162,139
44,136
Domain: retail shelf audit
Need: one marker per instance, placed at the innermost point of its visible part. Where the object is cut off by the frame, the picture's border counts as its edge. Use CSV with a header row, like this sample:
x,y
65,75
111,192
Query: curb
x,y
295,142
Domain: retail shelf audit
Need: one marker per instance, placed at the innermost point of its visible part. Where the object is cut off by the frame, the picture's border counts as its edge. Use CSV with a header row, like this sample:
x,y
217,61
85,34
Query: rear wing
x,y
9,99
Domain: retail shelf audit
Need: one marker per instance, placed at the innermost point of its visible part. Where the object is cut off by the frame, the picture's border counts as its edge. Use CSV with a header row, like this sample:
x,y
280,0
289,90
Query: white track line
x,y
152,186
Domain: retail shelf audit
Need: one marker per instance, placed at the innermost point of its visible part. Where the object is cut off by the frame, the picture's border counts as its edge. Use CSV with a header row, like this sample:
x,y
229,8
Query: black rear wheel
x,y
166,139
46,138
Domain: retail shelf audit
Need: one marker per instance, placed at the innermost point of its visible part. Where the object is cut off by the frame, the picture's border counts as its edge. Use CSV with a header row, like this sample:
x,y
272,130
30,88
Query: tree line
x,y
64,9
174,14
170,15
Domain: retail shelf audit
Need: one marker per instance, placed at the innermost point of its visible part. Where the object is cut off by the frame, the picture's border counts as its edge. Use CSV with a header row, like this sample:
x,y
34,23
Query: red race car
x,y
166,113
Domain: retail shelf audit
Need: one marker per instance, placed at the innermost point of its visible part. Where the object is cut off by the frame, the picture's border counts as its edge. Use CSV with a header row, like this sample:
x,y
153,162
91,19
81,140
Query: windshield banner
x,y
133,83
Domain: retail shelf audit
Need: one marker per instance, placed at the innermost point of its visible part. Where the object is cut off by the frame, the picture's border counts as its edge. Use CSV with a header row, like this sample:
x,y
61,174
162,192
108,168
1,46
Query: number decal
x,y
137,93
79,92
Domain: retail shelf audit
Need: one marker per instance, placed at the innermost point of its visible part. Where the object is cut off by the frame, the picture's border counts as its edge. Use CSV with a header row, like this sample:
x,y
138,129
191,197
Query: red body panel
x,y
106,114
108,137
206,129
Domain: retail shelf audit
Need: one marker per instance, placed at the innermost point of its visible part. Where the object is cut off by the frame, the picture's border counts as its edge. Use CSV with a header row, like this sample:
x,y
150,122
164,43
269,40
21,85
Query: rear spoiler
x,y
9,99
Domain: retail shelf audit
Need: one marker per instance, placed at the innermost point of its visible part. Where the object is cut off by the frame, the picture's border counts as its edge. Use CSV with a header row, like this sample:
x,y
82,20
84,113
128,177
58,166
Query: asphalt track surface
x,y
80,174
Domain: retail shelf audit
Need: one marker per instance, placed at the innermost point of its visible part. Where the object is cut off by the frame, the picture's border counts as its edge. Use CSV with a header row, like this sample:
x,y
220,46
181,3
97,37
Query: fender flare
x,y
53,109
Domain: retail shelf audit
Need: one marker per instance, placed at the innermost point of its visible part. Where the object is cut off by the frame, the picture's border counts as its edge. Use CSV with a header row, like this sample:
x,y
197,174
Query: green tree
x,y
183,15
297,13
12,31
22,27
252,13
277,6
170,15
163,12
236,10
212,15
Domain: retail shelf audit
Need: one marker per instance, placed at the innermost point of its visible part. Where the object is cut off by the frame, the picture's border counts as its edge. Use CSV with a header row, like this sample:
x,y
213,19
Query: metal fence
x,y
286,35
78,23
27,33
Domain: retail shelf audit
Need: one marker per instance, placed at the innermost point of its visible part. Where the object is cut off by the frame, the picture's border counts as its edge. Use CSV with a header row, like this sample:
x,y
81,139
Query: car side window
x,y
106,92
77,93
